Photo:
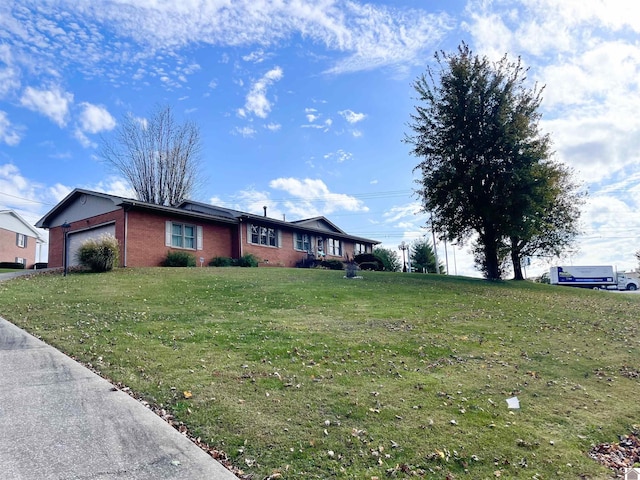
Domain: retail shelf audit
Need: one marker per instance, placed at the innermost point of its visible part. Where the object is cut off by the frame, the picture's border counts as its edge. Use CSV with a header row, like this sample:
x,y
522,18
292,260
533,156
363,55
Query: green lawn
x,y
306,374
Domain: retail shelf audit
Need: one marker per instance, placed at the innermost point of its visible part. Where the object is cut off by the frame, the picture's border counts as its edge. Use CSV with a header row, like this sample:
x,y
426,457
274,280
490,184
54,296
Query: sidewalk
x,y
60,421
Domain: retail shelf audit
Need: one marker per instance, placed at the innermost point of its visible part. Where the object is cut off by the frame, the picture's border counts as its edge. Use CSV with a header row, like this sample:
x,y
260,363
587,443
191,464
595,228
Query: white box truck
x,y
601,276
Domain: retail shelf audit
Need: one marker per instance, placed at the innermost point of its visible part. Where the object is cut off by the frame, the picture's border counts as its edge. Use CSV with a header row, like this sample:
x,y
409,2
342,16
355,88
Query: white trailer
x,y
601,276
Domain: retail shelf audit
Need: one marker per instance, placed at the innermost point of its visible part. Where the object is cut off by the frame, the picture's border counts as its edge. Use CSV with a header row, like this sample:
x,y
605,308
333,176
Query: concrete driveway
x,y
59,420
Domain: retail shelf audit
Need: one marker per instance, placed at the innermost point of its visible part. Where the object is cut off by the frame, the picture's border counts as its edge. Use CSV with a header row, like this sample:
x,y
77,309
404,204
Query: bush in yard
x,y
12,265
99,255
221,262
179,259
332,264
368,261
248,260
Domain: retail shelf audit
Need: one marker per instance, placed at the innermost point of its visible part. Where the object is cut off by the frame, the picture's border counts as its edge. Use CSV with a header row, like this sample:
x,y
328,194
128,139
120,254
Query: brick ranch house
x,y
146,232
19,241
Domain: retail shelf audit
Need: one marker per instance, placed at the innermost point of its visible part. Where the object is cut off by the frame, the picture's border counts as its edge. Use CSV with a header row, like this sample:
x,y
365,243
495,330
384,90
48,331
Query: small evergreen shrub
x,y
248,260
332,264
179,259
12,265
221,262
368,261
99,255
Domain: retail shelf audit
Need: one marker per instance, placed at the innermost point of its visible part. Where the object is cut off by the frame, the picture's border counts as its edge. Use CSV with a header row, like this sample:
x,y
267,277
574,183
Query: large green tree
x,y
389,258
483,159
159,157
423,258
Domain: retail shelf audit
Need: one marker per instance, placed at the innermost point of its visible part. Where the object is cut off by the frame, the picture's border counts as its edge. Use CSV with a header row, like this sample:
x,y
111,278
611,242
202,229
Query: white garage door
x,y
76,239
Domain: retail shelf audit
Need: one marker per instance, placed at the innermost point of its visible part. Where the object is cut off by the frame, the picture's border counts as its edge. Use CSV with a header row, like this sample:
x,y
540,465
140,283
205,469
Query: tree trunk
x,y
517,265
492,267
516,252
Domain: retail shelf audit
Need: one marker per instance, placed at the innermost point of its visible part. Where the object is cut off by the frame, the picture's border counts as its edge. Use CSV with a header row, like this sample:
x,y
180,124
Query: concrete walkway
x,y
59,420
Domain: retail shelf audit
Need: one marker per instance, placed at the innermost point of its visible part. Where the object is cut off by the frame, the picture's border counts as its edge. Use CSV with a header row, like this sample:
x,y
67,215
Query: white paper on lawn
x,y
513,402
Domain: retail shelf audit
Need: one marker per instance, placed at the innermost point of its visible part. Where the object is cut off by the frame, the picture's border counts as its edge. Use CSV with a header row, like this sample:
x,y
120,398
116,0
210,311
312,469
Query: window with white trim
x,y
360,248
21,240
303,242
183,235
334,247
261,235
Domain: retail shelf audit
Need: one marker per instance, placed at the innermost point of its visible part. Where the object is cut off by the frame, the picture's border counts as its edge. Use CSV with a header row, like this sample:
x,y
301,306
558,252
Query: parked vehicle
x,y
601,276
626,282
598,277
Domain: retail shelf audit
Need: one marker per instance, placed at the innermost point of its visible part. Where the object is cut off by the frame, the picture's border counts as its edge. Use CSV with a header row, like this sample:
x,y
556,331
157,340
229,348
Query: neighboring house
x,y
18,240
146,232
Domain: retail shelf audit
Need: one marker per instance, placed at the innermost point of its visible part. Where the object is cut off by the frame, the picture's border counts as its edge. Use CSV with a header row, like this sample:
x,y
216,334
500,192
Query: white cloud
x,y
9,134
257,56
52,103
351,116
274,127
312,197
95,118
340,156
246,132
256,101
142,33
92,119
26,197
9,72
586,55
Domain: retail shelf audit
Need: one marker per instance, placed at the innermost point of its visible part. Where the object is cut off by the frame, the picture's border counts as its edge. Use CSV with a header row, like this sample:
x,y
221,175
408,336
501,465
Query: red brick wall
x,y
286,255
145,242
56,239
9,250
146,239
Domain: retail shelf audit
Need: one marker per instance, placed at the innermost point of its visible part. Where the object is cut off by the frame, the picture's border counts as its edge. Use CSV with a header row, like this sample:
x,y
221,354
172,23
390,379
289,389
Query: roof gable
x,y
10,220
319,223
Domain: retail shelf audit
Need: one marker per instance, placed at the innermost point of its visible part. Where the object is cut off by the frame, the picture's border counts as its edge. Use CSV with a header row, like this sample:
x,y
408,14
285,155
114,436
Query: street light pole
x,y
403,246
65,230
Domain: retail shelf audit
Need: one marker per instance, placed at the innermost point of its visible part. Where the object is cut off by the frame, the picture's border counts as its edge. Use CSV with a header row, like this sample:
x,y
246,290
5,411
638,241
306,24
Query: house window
x,y
21,240
302,242
264,236
360,248
183,236
334,247
23,261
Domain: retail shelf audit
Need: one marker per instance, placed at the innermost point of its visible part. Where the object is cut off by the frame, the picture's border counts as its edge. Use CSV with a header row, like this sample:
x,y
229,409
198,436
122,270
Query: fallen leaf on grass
x,y
187,394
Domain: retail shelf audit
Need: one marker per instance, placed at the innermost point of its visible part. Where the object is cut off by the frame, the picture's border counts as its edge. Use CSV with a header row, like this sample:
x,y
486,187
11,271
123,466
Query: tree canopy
x,y
159,157
423,258
486,169
389,258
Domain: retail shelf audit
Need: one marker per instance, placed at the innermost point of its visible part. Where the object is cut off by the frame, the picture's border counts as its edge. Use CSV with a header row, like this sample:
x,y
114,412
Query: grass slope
x,y
305,374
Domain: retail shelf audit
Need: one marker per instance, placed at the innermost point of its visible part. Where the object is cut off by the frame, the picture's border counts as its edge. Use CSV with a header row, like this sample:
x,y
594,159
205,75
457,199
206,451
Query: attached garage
x,y
77,238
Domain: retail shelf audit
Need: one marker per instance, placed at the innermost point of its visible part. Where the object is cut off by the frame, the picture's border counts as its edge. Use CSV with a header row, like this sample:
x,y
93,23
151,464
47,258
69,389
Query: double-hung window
x,y
183,235
302,242
264,236
360,248
334,247
21,240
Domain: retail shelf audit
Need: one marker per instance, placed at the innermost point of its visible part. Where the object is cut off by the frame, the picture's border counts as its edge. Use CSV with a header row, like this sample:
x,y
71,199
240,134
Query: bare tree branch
x,y
158,157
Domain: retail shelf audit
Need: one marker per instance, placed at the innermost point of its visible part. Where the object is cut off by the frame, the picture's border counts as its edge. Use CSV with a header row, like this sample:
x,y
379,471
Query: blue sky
x,y
303,104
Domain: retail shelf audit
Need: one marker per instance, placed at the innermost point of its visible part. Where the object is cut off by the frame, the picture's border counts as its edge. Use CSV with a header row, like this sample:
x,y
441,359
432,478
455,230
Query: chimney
x,y
265,210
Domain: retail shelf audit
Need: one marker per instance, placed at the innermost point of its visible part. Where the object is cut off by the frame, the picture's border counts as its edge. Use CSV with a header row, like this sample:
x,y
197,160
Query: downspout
x,y
240,236
126,234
